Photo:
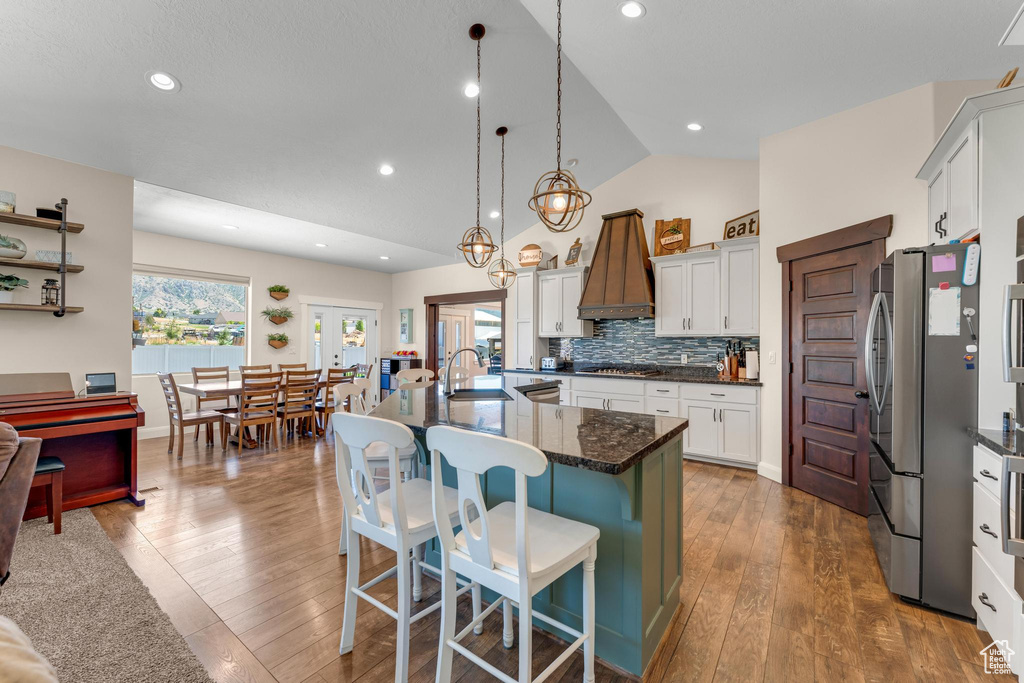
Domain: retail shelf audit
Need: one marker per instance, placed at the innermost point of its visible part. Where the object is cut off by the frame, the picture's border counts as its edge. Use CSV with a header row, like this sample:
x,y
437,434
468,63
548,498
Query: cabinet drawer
x,y
986,512
719,392
601,385
662,390
665,407
998,615
988,468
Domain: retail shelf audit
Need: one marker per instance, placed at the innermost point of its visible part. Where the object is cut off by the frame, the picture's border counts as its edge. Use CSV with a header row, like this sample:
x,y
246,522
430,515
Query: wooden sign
x,y
1008,78
574,253
744,226
671,236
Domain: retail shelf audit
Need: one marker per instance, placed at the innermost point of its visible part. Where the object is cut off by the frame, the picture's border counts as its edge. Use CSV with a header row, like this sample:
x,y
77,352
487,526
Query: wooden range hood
x,y
620,284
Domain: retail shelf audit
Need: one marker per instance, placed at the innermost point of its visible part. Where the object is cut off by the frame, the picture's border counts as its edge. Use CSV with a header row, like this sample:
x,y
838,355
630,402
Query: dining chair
x,y
326,406
208,375
179,419
285,367
512,549
243,369
257,407
364,369
298,399
400,518
414,375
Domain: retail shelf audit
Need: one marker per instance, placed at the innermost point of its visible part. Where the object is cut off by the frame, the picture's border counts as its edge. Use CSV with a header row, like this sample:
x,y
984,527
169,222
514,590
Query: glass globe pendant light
x,y
477,245
557,197
502,273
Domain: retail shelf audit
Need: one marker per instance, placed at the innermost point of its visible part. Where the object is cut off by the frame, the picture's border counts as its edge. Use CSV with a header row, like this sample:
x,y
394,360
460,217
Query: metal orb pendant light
x,y
502,273
557,197
477,245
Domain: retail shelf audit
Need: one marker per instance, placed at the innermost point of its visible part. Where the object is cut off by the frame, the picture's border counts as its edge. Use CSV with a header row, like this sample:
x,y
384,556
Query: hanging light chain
x,y
478,132
558,109
502,206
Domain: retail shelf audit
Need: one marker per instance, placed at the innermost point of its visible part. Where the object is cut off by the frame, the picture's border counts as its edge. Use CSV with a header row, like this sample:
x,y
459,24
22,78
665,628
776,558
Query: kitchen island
x,y
620,472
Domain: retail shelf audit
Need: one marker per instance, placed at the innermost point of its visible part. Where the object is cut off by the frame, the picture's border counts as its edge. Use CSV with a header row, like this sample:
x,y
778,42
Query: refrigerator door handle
x,y
1011,373
869,340
1013,544
890,358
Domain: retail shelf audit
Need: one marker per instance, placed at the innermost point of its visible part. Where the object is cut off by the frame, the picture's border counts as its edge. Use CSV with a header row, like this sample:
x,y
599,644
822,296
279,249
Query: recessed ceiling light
x,y
230,227
386,169
495,214
471,90
572,163
694,126
321,245
163,81
632,9
384,258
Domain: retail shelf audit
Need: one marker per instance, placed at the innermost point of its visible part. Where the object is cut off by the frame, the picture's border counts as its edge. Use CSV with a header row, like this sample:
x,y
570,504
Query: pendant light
x,y
557,197
502,273
477,245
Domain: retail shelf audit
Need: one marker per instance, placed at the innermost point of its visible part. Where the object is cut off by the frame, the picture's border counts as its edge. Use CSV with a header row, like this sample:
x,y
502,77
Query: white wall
x,y
832,173
308,281
708,191
98,339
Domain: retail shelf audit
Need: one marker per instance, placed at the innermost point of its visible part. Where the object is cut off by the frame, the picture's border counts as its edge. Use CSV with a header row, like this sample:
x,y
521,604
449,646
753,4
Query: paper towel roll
x,y
753,367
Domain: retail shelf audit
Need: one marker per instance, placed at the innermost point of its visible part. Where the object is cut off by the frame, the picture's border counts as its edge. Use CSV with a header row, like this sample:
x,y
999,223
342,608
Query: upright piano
x,y
95,436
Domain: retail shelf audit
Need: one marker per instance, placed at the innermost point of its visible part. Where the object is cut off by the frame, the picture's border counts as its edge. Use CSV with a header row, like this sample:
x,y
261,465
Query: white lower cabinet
x,y
701,435
737,432
603,401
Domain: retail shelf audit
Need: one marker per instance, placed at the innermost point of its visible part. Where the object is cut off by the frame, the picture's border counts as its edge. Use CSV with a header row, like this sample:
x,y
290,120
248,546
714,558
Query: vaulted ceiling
x,y
289,108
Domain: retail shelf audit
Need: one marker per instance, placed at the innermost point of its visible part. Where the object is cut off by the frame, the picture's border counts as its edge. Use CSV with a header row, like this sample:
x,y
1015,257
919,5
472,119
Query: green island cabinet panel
x,y
639,566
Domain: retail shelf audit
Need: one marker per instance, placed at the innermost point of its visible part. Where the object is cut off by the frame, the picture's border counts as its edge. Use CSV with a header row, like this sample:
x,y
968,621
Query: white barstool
x,y
414,375
400,518
513,549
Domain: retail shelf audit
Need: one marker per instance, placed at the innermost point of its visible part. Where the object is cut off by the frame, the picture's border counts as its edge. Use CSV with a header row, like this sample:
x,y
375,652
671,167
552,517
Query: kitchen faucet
x,y
451,362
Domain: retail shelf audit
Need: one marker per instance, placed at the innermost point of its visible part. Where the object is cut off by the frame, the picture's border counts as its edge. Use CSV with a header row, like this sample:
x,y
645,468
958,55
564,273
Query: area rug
x,y
87,612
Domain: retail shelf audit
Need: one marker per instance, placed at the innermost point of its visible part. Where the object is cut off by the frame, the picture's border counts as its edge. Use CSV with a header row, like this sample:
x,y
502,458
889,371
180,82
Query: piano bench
x,y
50,473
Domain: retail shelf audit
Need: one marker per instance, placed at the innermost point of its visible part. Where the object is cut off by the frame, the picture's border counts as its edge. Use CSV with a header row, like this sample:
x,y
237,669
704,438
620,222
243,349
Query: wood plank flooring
x,y
777,585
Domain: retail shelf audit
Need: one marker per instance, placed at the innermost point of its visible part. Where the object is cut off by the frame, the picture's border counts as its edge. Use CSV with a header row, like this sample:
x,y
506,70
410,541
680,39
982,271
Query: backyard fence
x,y
147,360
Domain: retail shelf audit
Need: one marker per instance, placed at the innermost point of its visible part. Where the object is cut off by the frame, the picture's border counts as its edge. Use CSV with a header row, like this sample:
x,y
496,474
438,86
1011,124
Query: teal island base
x,y
639,555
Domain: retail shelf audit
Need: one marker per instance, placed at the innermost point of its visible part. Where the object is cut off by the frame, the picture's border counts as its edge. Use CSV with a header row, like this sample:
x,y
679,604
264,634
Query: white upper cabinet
x,y
559,300
707,294
740,287
529,348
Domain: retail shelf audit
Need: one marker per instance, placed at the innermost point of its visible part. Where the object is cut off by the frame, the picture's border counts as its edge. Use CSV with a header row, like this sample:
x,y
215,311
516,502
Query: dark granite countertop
x,y
668,373
997,440
599,440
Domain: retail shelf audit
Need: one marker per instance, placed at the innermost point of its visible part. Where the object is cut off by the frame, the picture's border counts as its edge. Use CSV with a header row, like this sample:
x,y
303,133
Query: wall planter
x,y
277,319
279,292
278,316
278,341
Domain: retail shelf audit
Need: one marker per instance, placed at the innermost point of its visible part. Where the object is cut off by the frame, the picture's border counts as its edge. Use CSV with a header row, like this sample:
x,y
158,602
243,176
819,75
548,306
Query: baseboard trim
x,y
154,432
720,461
769,471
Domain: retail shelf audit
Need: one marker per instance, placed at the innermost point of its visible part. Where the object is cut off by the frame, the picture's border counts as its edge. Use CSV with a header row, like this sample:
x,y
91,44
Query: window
x,y
183,322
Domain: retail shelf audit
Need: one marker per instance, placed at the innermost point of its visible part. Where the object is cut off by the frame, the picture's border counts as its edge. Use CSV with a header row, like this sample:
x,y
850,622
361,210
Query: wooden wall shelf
x,y
33,222
38,265
37,307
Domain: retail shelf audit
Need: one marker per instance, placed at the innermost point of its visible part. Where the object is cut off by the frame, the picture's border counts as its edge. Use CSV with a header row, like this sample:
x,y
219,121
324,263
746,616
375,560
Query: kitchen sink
x,y
479,395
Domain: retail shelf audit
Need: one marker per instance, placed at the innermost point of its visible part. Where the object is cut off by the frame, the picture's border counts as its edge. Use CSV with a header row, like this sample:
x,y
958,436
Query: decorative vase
x,y
530,255
280,296
278,319
14,248
6,297
277,344
7,202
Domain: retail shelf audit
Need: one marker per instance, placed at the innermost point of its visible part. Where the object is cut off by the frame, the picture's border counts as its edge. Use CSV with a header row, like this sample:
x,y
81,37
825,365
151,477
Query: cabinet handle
x,y
726,322
662,391
659,410
984,600
714,394
986,473
985,529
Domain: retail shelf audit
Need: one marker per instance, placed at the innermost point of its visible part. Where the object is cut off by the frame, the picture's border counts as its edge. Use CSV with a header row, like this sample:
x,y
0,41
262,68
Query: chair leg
x,y
525,639
479,628
170,443
225,430
57,503
588,615
448,608
417,574
348,623
181,439
195,437
49,501
343,541
274,431
404,608
241,437
507,634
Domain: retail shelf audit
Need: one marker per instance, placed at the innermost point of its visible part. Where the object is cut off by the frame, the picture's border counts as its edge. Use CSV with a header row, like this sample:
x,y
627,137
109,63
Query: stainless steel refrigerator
x,y
923,391
1013,371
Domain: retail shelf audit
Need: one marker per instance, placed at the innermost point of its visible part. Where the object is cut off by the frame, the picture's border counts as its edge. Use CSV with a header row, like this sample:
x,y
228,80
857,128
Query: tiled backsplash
x,y
633,341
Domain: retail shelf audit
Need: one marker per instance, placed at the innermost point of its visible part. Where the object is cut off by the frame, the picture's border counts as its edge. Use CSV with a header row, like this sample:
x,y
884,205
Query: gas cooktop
x,y
617,371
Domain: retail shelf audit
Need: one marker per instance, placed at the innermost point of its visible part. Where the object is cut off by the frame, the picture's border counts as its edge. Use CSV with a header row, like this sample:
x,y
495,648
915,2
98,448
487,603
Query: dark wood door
x,y
829,412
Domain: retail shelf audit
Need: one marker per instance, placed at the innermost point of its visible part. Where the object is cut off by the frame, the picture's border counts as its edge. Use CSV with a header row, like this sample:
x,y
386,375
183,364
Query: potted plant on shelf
x,y
278,340
277,315
12,247
279,292
8,283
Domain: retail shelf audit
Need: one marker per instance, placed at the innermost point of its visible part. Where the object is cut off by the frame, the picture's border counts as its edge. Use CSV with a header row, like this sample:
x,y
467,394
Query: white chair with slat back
x,y
414,375
400,518
513,549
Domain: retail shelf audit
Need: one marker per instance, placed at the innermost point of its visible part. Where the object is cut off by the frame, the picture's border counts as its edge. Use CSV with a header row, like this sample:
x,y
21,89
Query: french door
x,y
343,337
453,333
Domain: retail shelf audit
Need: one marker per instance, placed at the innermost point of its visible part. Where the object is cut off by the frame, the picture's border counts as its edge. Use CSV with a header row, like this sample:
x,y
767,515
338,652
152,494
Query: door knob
x,y
861,394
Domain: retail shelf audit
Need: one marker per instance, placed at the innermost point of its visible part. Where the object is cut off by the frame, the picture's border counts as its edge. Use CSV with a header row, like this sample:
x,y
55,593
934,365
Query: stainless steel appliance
x,y
552,363
923,394
1013,359
617,371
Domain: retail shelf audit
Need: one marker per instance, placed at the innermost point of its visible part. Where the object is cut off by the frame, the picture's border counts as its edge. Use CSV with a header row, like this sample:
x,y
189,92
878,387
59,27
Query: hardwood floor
x,y
777,585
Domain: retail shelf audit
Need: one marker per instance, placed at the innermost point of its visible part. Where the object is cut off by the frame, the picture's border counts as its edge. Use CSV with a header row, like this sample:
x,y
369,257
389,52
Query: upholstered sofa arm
x,y
14,488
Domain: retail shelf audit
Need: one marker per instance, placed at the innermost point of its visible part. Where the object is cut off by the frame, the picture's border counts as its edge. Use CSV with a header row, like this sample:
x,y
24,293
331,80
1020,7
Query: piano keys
x,y
95,436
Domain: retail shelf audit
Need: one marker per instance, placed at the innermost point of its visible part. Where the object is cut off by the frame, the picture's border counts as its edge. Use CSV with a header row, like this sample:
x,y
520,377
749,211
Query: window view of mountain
x,y
185,297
